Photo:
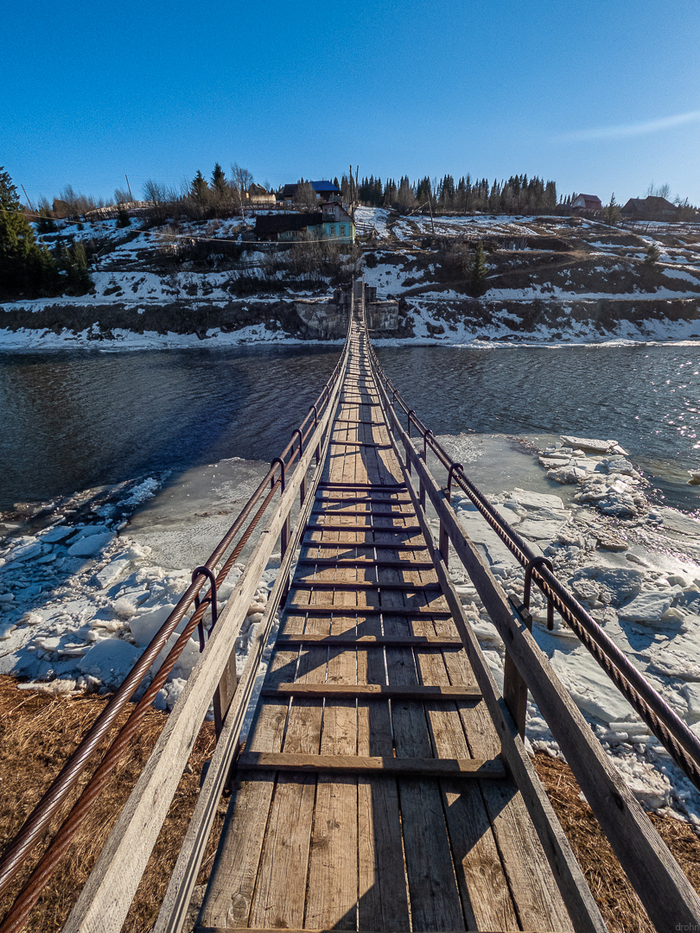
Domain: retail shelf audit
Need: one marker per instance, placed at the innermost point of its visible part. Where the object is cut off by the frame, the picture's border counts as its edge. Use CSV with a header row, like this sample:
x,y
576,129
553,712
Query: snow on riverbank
x,y
636,569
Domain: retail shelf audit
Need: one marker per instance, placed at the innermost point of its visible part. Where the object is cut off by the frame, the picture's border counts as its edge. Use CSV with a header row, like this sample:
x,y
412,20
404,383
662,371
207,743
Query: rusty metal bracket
x,y
281,463
453,467
427,434
205,571
538,562
301,440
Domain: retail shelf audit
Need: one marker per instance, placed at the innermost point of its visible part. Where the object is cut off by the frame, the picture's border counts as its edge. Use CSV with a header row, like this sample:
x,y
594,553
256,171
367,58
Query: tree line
x,y
518,194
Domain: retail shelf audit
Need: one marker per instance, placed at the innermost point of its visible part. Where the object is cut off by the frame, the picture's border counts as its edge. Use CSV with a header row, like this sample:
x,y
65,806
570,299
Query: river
x,y
78,419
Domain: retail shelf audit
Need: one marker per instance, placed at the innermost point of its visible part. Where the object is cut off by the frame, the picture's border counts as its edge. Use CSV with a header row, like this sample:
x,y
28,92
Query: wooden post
x,y
514,687
224,693
444,544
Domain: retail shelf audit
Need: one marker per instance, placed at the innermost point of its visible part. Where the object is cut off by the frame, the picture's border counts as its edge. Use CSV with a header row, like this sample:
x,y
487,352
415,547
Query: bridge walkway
x,y
371,794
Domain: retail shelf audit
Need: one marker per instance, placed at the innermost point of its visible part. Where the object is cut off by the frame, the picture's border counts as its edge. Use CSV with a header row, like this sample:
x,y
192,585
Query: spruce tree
x,y
612,211
75,265
25,266
219,184
199,189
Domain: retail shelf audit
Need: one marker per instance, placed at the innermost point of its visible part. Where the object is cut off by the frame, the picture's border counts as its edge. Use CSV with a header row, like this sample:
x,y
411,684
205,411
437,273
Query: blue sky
x,y
601,96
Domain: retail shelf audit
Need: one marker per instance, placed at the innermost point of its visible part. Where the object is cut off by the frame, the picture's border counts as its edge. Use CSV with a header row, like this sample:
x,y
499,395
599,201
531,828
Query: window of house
x,y
342,229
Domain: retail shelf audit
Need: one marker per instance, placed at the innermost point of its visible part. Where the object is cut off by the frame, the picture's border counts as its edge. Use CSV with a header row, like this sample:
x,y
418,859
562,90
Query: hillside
x,y
548,279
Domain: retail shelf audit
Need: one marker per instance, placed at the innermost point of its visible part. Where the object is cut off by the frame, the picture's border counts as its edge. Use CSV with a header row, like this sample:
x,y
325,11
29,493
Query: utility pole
x,y
27,197
128,186
357,172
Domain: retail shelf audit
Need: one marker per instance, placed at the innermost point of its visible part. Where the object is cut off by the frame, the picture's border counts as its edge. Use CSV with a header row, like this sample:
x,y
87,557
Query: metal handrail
x,y
677,738
37,822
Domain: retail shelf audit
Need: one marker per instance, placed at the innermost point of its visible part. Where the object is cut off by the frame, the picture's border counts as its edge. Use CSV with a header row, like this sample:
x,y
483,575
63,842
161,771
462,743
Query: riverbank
x,y
548,281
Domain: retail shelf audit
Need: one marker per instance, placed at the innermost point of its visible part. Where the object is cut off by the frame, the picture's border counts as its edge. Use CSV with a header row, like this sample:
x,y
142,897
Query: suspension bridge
x,y
383,784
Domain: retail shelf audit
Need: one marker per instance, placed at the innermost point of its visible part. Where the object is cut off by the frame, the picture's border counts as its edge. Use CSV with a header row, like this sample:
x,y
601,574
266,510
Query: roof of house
x,y
282,223
650,204
321,186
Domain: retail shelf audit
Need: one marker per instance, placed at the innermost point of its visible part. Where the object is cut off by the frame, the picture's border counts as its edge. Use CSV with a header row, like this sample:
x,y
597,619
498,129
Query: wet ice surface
x,y
83,590
81,599
633,565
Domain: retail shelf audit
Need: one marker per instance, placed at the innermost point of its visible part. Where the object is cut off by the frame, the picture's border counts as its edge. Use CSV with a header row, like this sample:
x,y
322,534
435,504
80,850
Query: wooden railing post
x,y
514,686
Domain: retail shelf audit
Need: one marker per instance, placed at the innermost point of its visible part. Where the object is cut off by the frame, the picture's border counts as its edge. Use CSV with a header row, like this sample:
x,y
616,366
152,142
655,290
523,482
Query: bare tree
x,y
241,180
658,191
305,197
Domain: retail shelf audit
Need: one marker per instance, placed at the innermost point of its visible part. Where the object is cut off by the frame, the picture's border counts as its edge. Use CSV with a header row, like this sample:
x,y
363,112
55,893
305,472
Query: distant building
x,y
588,203
337,223
649,208
332,221
324,191
259,197
283,227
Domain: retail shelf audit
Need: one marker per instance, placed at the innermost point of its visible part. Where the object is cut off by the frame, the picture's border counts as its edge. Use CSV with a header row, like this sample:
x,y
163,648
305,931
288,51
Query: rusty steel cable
x,y
677,738
55,796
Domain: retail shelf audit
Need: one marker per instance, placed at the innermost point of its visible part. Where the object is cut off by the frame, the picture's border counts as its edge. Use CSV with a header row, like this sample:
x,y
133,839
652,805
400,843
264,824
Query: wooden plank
x,y
340,443
363,562
366,545
404,611
373,691
365,513
357,764
201,929
373,641
334,526
300,583
375,487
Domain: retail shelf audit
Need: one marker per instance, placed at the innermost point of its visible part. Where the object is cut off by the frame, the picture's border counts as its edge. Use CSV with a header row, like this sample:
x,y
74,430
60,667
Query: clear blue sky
x,y
601,96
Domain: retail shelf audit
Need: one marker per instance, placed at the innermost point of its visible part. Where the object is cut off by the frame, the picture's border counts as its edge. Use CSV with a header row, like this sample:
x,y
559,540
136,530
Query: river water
x,y
78,419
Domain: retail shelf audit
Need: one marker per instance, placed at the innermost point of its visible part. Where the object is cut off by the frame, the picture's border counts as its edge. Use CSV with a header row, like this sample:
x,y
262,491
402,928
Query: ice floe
x,y
636,568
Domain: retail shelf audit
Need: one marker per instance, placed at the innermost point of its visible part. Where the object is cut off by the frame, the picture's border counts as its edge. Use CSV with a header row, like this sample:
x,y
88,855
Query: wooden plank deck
x,y
400,815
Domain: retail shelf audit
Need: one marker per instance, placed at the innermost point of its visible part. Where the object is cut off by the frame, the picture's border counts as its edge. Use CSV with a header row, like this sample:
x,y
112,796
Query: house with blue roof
x,y
324,190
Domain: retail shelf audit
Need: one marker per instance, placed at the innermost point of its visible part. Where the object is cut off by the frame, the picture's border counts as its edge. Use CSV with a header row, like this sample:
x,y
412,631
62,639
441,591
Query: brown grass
x,y
39,731
617,900
37,734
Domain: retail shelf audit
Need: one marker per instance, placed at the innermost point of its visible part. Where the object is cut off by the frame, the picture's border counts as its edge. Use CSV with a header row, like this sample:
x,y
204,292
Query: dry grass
x,y
39,731
37,734
617,900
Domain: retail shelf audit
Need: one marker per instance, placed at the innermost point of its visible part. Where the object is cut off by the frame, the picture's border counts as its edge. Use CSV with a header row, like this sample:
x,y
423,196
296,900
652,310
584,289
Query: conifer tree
x,y
25,266
612,211
199,189
75,265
